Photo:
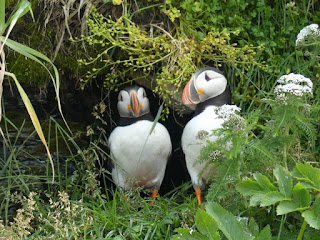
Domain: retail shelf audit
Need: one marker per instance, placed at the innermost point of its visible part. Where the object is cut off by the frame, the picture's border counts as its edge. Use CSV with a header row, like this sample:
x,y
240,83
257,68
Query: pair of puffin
x,y
140,155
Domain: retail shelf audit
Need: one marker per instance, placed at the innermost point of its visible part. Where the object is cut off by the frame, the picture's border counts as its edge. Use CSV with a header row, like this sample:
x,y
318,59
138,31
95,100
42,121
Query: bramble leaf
x,y
287,207
227,223
249,187
206,225
271,198
301,196
265,234
186,234
316,206
308,174
264,182
284,180
255,199
312,219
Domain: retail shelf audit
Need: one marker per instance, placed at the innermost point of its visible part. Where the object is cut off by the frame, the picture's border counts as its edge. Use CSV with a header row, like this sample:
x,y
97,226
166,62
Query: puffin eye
x,y
207,77
144,94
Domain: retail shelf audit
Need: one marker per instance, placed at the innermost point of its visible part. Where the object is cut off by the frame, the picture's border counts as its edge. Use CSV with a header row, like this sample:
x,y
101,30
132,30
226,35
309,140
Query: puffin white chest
x,y
138,156
195,134
199,129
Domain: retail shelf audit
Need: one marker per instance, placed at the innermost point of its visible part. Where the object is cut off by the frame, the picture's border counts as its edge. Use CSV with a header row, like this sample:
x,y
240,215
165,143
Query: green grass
x,y
76,200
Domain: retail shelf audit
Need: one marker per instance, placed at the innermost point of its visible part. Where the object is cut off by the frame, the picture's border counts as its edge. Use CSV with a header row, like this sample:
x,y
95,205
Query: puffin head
x,y
204,84
133,102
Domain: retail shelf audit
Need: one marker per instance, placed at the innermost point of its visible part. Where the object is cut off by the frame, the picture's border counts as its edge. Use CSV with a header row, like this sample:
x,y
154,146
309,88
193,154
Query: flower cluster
x,y
308,31
295,84
232,121
226,111
215,155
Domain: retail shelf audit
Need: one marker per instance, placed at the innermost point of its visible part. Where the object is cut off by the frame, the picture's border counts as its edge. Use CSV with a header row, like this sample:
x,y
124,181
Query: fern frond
x,y
308,129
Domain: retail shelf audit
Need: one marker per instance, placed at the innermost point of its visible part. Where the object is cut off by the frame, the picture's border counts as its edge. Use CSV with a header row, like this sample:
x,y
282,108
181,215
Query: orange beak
x,y
190,94
134,104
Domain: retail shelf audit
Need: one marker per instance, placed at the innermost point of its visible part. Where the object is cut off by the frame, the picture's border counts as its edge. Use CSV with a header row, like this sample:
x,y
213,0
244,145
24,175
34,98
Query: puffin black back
x,y
223,98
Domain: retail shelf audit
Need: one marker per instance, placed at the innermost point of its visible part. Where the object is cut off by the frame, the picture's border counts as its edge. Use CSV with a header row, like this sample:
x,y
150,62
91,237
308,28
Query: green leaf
x,y
265,234
286,207
284,180
305,172
21,9
227,223
255,199
316,206
249,187
312,219
307,185
264,182
36,56
271,198
34,119
206,225
301,196
116,2
186,234
2,16
252,227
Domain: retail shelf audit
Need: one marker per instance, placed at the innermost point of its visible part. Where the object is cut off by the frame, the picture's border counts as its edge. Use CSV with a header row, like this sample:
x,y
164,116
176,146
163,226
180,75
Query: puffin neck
x,y
223,98
125,121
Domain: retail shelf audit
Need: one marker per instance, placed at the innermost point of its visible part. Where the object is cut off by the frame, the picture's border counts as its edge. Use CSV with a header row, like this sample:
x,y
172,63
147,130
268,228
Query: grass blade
x,y
21,9
156,118
2,16
36,56
34,119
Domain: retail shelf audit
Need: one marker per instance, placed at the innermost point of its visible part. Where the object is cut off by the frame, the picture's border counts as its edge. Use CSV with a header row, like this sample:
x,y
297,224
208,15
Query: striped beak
x,y
134,104
191,95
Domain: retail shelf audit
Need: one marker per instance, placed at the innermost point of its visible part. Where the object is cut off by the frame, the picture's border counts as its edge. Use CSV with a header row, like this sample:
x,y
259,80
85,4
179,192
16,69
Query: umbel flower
x,y
232,121
294,84
307,32
226,111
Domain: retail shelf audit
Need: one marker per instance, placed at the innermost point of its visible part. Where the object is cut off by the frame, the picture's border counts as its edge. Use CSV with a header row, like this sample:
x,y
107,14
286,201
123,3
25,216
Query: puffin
x,y
139,150
207,89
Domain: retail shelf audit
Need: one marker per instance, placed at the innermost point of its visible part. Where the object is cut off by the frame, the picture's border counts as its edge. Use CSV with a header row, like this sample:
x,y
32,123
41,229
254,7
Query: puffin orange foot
x,y
154,195
198,194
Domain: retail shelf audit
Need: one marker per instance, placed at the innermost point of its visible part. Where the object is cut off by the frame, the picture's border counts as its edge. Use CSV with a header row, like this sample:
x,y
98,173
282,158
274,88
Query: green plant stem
x,y
302,229
283,218
285,148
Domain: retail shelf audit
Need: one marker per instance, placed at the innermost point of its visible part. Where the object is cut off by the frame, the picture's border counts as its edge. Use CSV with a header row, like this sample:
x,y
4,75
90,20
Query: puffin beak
x,y
134,104
190,93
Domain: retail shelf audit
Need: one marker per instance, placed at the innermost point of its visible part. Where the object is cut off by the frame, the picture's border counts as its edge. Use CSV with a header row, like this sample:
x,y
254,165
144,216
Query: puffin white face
x,y
203,85
133,102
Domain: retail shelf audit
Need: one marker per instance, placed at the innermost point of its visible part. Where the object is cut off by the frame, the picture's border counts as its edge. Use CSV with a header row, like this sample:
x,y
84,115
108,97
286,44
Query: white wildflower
x,y
307,107
295,84
290,5
309,31
282,98
215,155
229,178
231,119
226,111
